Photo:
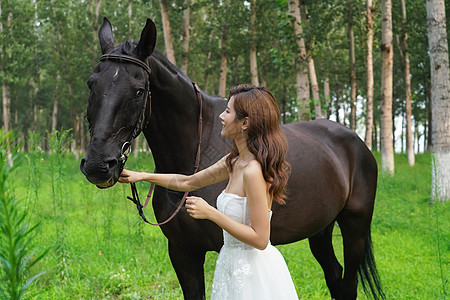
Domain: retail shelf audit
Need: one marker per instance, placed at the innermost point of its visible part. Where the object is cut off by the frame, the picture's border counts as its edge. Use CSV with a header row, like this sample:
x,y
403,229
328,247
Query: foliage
x,y
49,49
16,236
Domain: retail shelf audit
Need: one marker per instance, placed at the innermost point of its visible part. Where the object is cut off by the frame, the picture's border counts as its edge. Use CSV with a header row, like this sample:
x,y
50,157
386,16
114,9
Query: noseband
x,y
126,147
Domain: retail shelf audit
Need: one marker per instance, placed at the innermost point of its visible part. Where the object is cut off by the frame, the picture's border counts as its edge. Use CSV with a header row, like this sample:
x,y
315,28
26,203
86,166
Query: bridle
x,y
141,122
140,125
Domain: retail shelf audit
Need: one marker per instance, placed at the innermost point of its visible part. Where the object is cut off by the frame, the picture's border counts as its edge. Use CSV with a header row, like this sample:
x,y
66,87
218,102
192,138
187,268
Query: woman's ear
x,y
246,123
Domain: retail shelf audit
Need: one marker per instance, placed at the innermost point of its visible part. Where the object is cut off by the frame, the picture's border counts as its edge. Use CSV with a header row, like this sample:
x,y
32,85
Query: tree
x,y
369,73
387,52
253,60
309,43
302,82
440,98
352,61
186,35
170,53
223,54
407,82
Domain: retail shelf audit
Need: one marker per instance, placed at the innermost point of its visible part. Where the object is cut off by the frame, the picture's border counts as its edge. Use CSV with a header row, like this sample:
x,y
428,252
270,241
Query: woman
x,y
248,266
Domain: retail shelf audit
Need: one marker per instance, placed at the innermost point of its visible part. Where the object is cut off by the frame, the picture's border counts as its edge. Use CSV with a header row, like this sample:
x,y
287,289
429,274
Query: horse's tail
x,y
368,272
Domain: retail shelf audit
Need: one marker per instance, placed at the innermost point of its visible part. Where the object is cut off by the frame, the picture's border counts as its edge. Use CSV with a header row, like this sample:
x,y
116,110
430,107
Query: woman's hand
x,y
128,176
199,208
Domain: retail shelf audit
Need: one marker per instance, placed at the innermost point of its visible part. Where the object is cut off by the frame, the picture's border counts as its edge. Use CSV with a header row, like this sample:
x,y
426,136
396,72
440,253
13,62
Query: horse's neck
x,y
172,132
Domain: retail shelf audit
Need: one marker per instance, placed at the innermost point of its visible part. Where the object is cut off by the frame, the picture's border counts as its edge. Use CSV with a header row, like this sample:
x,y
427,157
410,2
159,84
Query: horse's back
x,y
324,158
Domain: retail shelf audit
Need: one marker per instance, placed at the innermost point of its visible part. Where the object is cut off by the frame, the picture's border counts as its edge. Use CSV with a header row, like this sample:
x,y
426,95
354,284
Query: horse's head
x,y
119,103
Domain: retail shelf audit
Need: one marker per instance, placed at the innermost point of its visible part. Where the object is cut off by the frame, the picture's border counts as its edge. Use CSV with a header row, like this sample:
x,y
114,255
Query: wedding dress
x,y
244,272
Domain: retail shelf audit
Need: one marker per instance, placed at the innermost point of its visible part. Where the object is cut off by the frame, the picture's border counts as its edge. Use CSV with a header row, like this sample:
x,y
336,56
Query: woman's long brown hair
x,y
265,139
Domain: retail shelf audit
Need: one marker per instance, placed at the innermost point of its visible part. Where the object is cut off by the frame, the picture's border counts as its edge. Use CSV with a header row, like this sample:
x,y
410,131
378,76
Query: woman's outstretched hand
x,y
198,208
128,176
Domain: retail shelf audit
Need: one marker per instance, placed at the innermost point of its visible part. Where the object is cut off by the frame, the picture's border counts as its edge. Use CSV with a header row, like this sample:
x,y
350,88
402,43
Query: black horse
x,y
334,175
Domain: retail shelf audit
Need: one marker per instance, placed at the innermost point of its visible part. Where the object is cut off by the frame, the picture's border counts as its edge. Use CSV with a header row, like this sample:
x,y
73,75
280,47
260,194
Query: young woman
x,y
248,266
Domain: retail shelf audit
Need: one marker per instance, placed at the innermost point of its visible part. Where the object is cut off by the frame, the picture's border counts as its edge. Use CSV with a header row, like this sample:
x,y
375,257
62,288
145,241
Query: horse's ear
x,y
105,36
147,42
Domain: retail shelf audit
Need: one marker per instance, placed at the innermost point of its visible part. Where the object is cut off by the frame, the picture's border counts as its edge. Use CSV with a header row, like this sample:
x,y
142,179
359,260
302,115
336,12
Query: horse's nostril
x,y
112,163
82,163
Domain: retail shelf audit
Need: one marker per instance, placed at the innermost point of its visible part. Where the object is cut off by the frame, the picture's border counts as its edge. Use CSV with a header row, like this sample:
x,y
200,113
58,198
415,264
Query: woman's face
x,y
230,126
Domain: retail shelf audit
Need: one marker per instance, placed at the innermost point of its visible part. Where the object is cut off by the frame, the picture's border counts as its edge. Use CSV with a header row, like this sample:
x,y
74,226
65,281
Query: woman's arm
x,y
257,235
178,182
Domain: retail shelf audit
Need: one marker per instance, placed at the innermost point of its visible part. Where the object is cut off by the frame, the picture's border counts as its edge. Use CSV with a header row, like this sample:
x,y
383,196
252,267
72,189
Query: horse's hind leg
x,y
322,248
189,269
354,232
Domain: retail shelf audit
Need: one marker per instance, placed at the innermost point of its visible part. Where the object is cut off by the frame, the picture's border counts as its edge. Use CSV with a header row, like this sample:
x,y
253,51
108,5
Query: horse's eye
x,y
139,93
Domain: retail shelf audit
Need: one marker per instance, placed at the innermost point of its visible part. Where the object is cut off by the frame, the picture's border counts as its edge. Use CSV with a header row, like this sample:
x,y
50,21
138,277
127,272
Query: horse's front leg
x,y
189,269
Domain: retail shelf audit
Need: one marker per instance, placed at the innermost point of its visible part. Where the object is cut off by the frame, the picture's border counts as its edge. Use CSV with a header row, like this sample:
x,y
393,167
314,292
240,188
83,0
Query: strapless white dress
x,y
244,272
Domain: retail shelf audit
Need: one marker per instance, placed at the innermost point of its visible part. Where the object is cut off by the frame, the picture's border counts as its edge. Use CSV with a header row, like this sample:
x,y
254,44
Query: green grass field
x,y
100,249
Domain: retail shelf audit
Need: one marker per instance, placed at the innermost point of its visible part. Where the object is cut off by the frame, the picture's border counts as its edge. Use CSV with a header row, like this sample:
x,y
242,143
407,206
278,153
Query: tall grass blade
x,y
15,234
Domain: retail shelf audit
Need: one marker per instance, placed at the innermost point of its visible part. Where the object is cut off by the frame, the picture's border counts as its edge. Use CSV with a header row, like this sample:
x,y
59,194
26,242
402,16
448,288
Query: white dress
x,y
244,272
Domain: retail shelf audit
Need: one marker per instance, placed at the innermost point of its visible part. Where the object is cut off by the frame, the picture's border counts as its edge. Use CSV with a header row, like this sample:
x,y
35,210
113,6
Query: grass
x,y
110,253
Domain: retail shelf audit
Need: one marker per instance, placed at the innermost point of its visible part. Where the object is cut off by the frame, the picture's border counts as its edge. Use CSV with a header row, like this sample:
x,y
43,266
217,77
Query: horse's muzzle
x,y
103,174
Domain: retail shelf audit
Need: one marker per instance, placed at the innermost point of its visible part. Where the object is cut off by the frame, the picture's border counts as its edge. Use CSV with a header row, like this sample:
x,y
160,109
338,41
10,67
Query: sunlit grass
x,y
113,254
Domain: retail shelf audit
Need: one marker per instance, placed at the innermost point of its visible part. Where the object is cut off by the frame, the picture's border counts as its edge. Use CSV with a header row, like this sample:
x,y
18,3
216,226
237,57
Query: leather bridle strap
x,y
127,58
135,194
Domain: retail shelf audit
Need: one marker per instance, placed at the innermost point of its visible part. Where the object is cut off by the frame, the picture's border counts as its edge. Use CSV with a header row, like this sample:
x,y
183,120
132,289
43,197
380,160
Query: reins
x,y
134,193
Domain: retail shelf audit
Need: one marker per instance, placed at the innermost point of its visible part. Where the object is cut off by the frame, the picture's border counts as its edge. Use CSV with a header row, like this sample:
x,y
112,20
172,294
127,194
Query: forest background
x,y
49,48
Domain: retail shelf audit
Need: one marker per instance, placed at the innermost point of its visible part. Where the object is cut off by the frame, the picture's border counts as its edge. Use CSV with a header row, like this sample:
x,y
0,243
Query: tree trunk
x,y
186,37
208,53
352,60
387,56
315,88
6,96
82,134
369,66
94,10
302,81
223,61
440,99
326,93
136,146
253,60
407,81
170,53
55,114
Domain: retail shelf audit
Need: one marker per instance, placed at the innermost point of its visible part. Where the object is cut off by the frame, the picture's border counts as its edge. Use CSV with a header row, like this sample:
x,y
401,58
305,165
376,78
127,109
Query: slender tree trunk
x,y
352,60
94,10
208,53
82,134
407,81
369,66
207,62
314,88
223,61
326,93
302,81
56,103
136,146
6,96
55,114
387,56
440,99
186,36
170,53
253,60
